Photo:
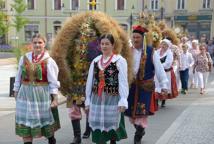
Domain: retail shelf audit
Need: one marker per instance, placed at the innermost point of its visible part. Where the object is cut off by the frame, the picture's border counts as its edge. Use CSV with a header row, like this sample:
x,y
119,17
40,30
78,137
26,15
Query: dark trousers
x,y
184,76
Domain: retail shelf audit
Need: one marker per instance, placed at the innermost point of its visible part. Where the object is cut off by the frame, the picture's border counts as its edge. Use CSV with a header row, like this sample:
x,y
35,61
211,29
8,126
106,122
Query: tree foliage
x,y
19,21
4,26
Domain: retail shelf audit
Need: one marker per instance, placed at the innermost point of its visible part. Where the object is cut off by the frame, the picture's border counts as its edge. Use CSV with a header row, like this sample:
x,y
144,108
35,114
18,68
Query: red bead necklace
x,y
104,65
36,59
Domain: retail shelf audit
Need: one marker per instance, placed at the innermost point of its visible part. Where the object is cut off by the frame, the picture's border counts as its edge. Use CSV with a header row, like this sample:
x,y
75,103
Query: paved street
x,y
187,119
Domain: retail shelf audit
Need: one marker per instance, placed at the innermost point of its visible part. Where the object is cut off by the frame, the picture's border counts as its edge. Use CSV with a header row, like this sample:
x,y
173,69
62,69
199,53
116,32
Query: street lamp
x,y
161,9
131,17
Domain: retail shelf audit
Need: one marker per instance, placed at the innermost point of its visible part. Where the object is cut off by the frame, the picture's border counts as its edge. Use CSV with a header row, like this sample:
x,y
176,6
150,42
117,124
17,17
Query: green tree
x,y
19,21
4,26
18,6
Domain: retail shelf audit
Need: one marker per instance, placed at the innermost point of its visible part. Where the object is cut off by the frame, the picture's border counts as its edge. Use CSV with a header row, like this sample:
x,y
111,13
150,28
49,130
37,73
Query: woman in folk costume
x,y
106,93
74,48
35,89
166,58
170,34
141,99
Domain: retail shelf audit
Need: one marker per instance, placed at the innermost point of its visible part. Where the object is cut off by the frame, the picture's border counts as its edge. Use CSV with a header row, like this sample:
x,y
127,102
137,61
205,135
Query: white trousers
x,y
202,79
193,77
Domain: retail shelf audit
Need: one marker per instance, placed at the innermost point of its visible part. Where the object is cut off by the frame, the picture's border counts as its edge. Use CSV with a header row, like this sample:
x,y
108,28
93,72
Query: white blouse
x,y
52,73
186,61
122,77
159,70
169,58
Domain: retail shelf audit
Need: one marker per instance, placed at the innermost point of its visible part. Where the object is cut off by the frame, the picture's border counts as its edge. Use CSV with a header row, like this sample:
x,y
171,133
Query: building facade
x,y
47,16
192,16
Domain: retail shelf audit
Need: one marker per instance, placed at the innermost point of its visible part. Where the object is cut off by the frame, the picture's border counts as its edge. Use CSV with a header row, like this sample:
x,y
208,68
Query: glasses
x,y
202,49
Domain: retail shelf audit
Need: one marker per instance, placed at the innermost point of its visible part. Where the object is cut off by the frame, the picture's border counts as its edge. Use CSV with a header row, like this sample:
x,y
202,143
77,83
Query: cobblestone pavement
x,y
193,126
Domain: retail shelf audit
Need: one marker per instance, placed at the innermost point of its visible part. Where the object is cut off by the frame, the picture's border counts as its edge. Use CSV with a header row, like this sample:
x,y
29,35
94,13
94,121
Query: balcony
x,y
205,11
180,12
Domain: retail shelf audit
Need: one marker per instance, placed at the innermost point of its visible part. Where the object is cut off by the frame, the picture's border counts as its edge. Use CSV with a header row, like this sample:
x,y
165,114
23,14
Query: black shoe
x,y
86,134
77,132
87,130
140,132
163,103
113,142
51,140
76,140
27,142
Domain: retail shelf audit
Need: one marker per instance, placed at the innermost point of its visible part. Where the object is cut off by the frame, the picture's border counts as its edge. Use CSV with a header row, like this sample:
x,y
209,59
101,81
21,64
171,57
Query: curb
x,y
8,61
61,100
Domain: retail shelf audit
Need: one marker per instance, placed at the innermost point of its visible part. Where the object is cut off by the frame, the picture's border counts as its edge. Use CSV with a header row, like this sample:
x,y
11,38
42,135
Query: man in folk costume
x,y
141,101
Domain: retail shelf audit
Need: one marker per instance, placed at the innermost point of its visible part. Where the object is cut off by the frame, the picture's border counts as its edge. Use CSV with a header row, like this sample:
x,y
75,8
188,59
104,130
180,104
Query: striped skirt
x,y
34,116
105,119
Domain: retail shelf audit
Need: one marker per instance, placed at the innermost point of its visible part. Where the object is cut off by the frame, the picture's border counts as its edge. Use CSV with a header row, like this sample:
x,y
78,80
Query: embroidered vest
x,y
146,70
163,59
34,73
145,76
111,79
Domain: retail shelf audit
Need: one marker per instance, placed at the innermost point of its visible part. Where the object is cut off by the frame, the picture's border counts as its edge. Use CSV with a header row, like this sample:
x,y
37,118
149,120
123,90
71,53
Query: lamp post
x,y
131,17
161,9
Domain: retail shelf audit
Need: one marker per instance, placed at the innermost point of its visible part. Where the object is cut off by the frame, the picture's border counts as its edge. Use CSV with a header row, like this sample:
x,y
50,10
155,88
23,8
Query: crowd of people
x,y
159,74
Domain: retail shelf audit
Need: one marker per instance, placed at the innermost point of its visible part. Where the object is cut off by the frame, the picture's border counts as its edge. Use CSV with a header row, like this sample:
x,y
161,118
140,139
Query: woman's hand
x,y
122,109
54,103
15,94
86,109
54,100
164,91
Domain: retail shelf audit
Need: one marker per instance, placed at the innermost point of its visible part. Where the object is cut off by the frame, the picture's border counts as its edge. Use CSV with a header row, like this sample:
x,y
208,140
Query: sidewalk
x,y
8,61
195,124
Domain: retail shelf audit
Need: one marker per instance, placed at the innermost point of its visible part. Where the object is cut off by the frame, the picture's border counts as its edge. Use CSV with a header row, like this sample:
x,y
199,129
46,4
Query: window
x,y
30,4
206,4
124,27
30,30
3,39
2,5
180,4
56,26
74,4
154,4
57,4
120,4
90,6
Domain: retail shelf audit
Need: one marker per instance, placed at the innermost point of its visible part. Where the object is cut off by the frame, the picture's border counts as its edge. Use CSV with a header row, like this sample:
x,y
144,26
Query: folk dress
x,y
35,82
167,60
105,119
